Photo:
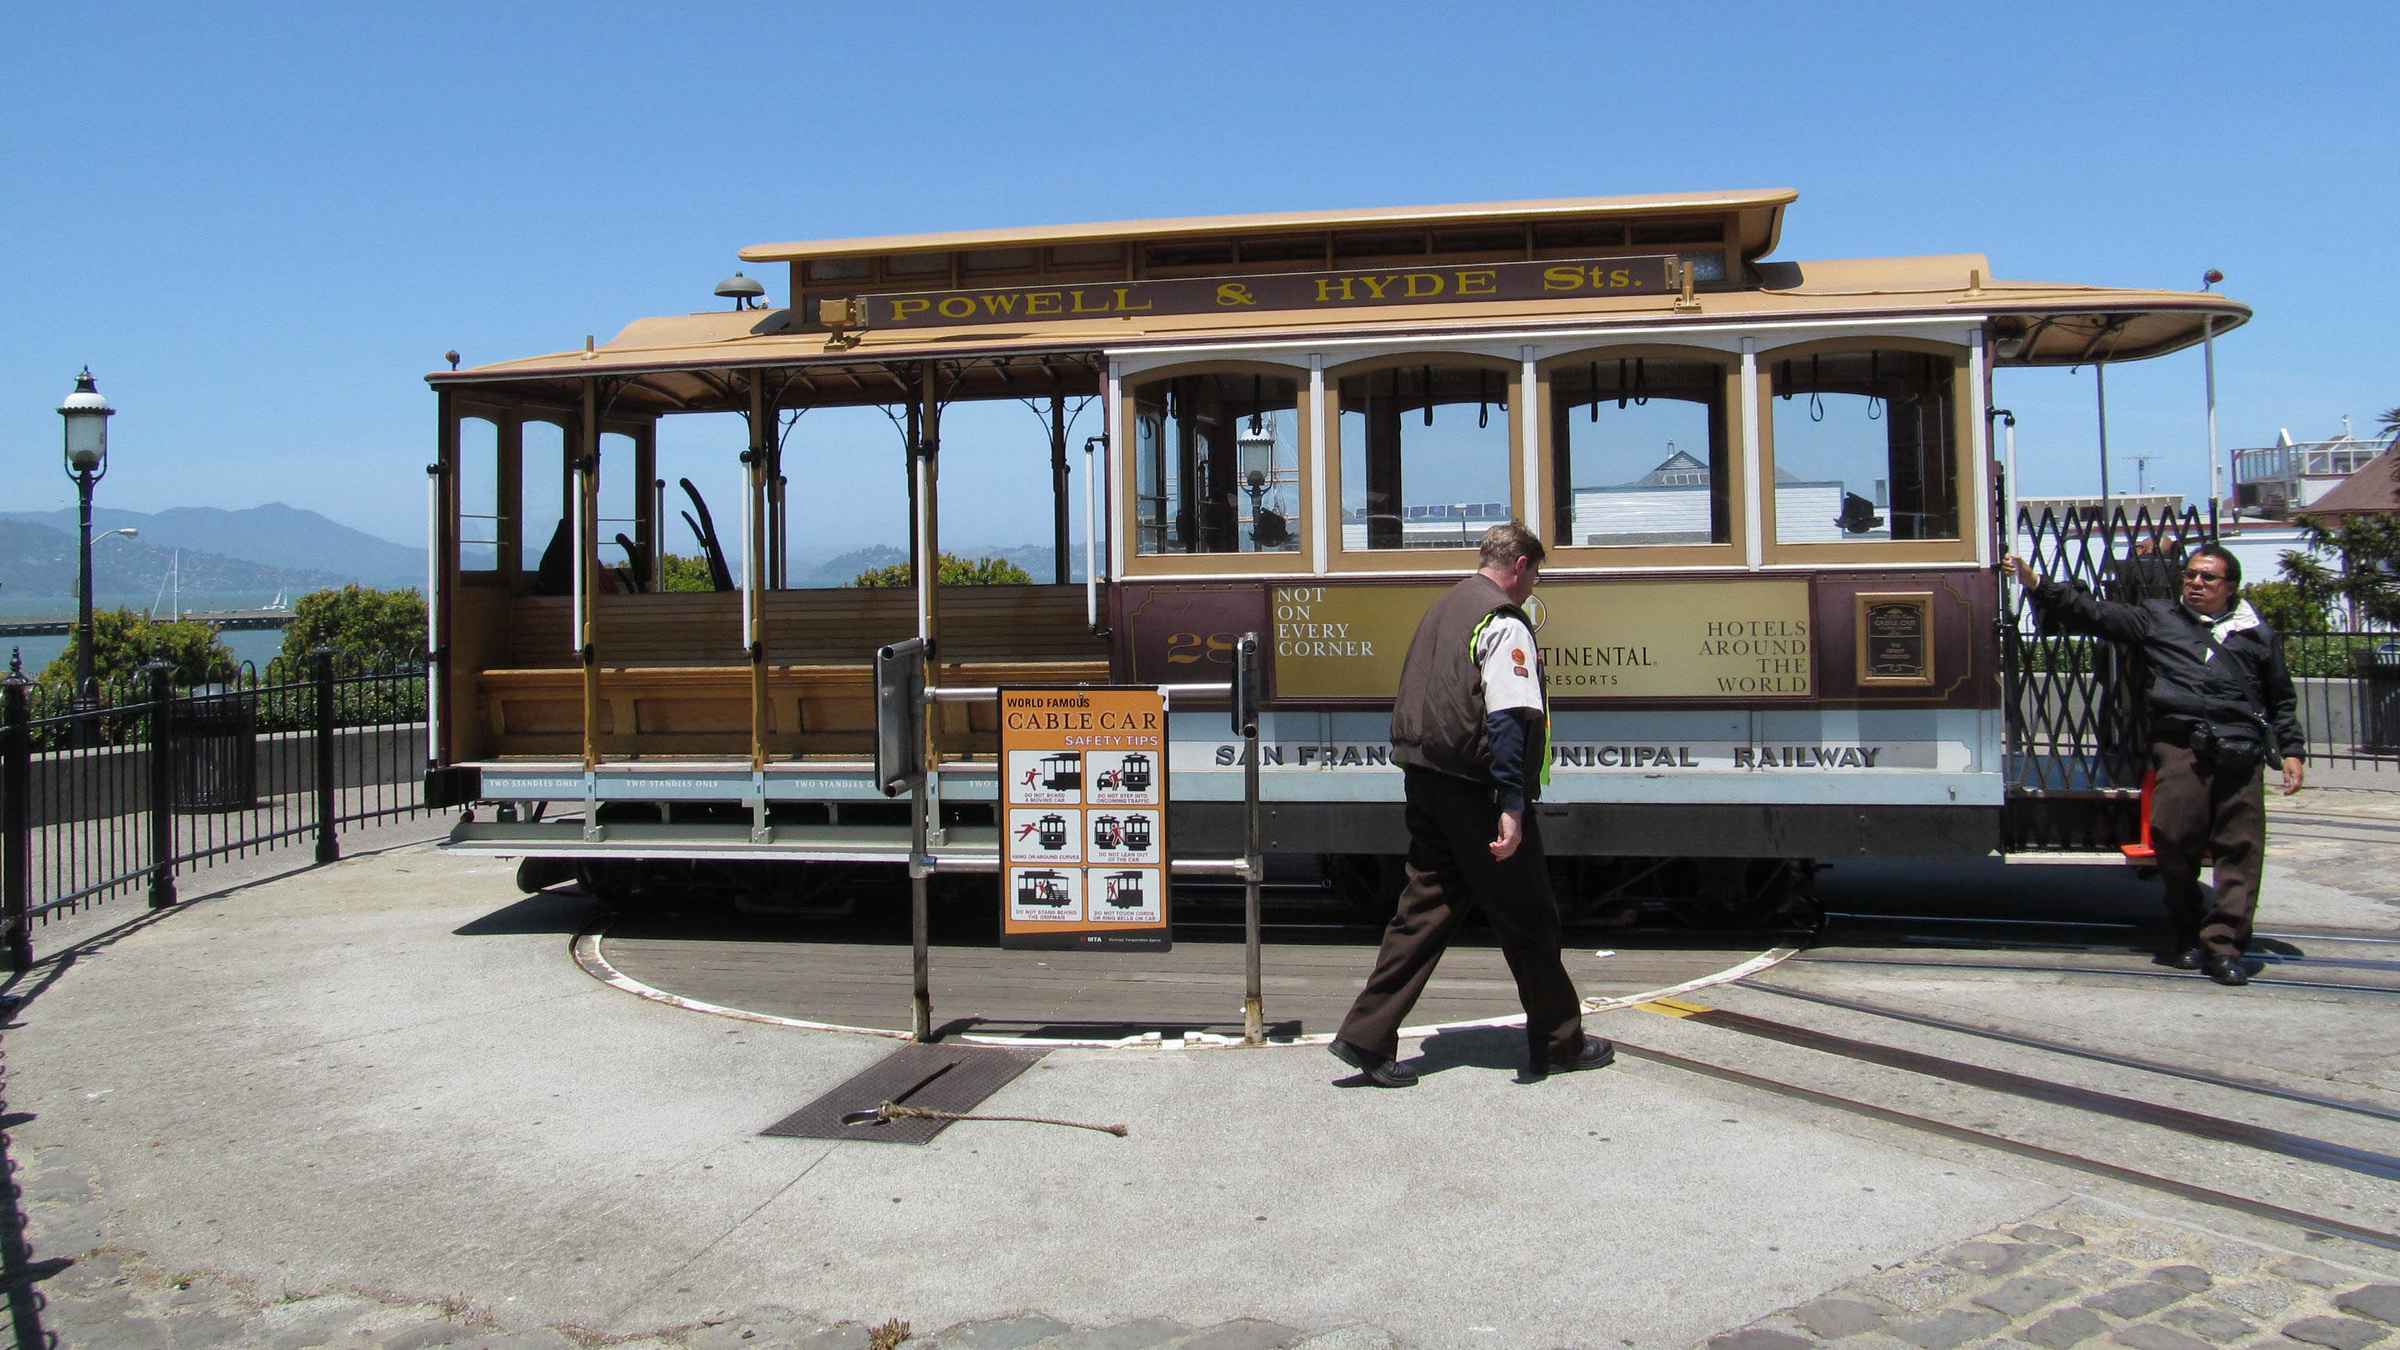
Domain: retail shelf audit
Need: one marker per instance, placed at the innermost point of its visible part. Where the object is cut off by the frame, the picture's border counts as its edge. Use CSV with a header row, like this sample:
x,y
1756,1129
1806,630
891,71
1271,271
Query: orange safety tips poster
x,y
1083,818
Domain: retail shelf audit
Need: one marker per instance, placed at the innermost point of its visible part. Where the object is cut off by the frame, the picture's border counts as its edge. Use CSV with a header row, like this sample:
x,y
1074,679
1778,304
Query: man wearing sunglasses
x,y
2221,704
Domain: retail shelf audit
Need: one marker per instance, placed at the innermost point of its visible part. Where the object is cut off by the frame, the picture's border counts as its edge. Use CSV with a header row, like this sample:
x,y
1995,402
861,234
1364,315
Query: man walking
x,y
2220,702
1471,732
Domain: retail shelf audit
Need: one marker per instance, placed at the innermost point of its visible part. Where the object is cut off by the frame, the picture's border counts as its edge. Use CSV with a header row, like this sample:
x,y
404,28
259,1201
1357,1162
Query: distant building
x,y
2276,480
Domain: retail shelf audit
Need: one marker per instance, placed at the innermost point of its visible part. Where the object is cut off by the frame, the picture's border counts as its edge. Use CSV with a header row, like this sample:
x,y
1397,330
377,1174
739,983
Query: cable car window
x,y
543,469
1425,456
1217,464
1865,447
1641,452
478,495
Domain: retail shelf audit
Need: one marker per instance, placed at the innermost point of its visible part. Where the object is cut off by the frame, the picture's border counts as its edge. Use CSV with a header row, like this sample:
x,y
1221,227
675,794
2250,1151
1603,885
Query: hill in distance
x,y
39,571
275,536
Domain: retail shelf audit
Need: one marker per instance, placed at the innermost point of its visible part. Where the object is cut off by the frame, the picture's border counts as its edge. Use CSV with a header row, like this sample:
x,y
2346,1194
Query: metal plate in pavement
x,y
933,1077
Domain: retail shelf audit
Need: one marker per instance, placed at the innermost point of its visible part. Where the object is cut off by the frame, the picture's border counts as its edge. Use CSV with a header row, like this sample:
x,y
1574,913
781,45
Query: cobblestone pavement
x,y
2087,1274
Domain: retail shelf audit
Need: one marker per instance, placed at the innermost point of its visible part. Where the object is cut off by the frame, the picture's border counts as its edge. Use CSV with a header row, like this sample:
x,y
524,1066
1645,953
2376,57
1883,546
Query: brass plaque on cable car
x,y
1895,639
1599,639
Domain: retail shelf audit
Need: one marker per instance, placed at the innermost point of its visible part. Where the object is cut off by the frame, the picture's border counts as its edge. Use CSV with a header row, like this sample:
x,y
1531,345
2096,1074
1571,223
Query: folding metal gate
x,y
2077,733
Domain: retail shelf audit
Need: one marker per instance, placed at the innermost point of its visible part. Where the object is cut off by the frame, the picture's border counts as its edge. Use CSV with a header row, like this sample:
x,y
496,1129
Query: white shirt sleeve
x,y
1511,673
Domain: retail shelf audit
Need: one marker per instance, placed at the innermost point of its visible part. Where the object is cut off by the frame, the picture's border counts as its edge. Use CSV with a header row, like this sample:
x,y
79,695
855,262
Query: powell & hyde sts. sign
x,y
1562,279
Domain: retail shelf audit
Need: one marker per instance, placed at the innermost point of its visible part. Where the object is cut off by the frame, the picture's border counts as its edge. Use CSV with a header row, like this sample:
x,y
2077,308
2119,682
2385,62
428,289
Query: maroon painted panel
x,y
1184,632
1965,645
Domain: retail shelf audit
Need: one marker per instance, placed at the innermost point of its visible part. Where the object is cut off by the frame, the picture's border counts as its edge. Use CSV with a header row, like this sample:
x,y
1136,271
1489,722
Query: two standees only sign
x,y
1083,791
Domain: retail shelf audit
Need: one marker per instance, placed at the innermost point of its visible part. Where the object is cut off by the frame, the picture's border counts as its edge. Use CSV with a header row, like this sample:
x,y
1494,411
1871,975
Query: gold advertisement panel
x,y
1599,639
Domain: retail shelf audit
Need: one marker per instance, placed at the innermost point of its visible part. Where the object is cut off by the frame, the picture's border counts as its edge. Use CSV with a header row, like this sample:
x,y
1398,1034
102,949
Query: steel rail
x,y
2326,985
2262,1138
2076,1051
2313,1223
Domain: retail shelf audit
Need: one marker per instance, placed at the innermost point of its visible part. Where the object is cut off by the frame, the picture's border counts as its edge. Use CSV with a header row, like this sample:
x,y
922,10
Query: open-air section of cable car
x,y
1303,422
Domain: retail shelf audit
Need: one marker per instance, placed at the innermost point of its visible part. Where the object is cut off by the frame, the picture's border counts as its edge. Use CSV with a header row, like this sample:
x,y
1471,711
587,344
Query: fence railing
x,y
101,799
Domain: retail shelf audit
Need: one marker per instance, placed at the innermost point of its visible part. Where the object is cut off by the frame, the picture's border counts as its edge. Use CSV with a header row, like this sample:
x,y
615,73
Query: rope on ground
x,y
895,1111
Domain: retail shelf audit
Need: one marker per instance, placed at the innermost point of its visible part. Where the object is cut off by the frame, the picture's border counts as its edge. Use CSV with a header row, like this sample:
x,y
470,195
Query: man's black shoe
x,y
1374,1068
1598,1053
2186,957
2226,970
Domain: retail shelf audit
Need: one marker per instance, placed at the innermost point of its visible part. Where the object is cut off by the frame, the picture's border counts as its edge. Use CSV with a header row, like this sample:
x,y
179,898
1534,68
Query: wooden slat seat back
x,y
685,628
672,681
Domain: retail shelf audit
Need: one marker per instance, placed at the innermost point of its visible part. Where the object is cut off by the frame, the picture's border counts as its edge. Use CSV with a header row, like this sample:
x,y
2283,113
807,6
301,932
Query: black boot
x,y
2227,970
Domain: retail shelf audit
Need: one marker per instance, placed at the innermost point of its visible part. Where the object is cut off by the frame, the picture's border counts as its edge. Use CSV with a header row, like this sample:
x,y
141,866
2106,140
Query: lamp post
x,y
86,416
2208,359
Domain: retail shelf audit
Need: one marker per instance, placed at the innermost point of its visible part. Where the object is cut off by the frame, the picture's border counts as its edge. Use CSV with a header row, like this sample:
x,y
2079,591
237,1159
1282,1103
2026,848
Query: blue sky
x,y
261,225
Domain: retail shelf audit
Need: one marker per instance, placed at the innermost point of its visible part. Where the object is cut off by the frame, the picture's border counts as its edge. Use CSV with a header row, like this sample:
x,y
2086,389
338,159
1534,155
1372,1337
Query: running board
x,y
968,848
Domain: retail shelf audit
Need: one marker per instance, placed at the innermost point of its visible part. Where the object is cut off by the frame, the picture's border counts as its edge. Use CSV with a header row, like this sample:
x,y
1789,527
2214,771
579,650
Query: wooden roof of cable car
x,y
1760,212
672,363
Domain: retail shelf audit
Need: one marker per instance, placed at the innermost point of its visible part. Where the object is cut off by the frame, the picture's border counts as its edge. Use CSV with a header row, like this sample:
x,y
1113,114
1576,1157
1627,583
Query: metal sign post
x,y
1245,725
900,766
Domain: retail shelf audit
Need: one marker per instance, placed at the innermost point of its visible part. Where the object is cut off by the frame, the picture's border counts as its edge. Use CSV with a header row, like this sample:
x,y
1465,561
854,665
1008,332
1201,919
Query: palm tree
x,y
2389,422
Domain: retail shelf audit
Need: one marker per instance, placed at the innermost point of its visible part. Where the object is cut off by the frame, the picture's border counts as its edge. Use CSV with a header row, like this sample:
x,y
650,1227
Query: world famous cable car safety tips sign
x,y
1083,818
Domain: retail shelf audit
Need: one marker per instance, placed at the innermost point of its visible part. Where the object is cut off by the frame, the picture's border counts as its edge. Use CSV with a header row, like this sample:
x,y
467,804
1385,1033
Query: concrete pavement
x,y
376,1104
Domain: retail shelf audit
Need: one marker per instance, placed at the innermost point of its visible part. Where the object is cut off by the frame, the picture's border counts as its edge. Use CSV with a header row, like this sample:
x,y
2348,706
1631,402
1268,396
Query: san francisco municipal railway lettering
x,y
1577,755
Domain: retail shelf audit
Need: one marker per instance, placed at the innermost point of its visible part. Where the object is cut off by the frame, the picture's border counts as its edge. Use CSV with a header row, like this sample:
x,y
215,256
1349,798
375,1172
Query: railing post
x,y
162,784
16,820
329,848
1245,723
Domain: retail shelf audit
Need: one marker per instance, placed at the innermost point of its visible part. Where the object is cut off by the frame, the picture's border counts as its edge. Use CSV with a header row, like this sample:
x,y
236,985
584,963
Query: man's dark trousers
x,y
2196,809
1451,824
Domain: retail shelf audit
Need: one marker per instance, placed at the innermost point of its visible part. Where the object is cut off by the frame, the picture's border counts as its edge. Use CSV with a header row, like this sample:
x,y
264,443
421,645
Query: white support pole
x,y
1981,427
1528,421
1754,504
1325,517
1091,540
575,571
2100,385
749,577
2008,434
433,611
2208,365
658,534
1119,416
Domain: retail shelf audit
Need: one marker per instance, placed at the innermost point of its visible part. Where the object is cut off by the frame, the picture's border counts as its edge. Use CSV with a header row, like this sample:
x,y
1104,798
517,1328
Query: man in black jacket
x,y
1471,733
2220,702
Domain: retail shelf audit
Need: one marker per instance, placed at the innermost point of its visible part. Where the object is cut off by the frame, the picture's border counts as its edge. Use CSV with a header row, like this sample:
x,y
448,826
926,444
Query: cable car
x,y
1137,832
1051,831
1062,772
1106,831
1133,773
1125,890
1043,888
1768,488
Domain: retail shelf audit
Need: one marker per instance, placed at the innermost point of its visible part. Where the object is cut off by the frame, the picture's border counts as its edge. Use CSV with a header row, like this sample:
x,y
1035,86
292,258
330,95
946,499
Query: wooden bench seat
x,y
705,709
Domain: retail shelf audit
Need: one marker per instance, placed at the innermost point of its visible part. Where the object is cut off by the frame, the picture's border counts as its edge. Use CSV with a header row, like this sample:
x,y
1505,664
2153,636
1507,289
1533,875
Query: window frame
x,y
1340,560
1127,478
1623,557
1971,510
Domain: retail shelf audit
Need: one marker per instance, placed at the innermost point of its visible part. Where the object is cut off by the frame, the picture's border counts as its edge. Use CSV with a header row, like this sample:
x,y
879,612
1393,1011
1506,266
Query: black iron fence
x,y
148,781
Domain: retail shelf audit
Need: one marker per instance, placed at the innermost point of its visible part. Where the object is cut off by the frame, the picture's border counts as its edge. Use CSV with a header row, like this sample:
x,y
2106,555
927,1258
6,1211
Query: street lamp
x,y
86,414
